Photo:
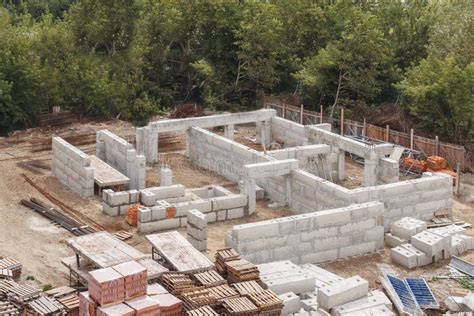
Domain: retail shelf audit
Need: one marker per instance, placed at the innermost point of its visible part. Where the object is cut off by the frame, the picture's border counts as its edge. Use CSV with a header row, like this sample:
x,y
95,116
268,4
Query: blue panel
x,y
403,292
423,295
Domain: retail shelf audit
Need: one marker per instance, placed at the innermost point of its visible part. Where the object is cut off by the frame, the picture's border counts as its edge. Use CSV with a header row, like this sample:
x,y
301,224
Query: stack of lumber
x,y
202,311
20,293
239,306
45,305
106,286
267,302
245,288
7,308
135,278
144,306
241,270
123,235
197,297
209,278
175,283
222,256
221,292
13,265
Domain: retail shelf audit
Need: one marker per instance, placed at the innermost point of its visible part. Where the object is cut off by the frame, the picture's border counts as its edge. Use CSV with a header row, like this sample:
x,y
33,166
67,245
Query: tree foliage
x,y
138,57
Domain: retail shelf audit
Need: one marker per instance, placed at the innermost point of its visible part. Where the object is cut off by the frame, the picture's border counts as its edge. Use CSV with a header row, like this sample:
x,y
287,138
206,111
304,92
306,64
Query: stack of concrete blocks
x,y
121,155
285,276
216,202
313,237
118,203
460,242
402,230
147,137
291,303
166,177
197,229
375,303
388,171
72,167
342,292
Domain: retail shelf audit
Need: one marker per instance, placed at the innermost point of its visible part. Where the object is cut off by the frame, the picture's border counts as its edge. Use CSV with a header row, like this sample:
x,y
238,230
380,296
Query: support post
x,y
248,189
364,128
411,138
342,121
387,133
284,110
321,115
458,179
436,146
229,131
301,115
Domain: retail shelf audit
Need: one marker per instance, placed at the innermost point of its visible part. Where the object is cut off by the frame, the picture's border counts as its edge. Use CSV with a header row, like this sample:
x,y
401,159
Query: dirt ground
x,y
39,244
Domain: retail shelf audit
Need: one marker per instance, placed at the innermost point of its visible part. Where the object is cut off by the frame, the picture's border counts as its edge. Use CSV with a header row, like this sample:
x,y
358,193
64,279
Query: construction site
x,y
248,213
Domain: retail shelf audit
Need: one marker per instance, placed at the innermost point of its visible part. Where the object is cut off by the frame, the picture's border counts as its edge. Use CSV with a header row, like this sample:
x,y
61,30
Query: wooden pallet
x,y
245,288
175,283
6,274
202,311
195,298
209,278
239,306
266,301
7,308
13,265
123,235
46,306
70,303
241,270
18,292
223,255
61,291
222,292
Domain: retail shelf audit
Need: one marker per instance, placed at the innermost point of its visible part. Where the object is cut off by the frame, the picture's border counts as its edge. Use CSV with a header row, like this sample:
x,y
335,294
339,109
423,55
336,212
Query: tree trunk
x,y
337,94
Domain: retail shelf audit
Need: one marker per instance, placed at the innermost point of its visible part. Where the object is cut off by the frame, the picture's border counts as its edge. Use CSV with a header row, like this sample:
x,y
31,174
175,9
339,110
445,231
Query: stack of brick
x,y
118,203
170,305
144,306
106,286
87,306
197,229
135,278
115,310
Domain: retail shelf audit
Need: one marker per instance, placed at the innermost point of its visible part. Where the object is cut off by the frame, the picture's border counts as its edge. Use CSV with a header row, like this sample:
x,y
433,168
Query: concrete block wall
x,y
388,171
289,133
118,203
217,203
72,167
121,155
196,229
312,237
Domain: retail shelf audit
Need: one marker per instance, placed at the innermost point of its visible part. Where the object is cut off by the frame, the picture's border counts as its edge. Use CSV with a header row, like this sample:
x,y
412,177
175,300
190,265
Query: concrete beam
x,y
270,169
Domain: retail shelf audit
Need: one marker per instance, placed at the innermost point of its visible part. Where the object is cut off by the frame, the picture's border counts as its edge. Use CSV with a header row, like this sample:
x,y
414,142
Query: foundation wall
x,y
72,167
121,155
313,237
289,133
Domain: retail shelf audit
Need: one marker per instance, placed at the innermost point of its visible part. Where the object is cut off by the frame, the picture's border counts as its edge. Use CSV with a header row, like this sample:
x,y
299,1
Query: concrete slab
x,y
342,292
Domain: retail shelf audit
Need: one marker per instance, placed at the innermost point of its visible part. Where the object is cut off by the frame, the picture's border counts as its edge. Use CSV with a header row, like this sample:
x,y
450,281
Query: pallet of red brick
x,y
106,286
116,310
87,306
135,278
144,306
155,288
170,305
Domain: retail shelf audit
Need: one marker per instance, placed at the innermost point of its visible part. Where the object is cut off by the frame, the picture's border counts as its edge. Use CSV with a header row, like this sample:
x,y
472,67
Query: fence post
x,y
342,121
321,115
364,128
301,114
387,133
284,110
411,138
458,178
436,146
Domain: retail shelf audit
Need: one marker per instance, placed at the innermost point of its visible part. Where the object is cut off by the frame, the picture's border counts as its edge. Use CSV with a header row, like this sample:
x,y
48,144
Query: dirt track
x,y
39,245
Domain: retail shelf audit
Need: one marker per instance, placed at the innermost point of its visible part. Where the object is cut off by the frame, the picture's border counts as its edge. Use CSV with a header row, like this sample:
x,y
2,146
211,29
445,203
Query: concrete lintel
x,y
270,169
301,151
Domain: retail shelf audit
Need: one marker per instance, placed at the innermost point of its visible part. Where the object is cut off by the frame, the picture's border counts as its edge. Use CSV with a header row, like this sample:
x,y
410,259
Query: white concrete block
x,y
407,227
197,219
291,303
229,202
403,257
110,210
144,214
310,304
235,213
342,292
394,241
421,258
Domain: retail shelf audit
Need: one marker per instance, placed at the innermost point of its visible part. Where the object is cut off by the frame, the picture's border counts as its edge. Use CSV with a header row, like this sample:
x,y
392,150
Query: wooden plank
x,y
105,175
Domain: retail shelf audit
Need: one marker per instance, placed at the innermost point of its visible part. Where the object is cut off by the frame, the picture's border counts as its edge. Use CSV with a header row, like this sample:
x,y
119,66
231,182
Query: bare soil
x,y
40,245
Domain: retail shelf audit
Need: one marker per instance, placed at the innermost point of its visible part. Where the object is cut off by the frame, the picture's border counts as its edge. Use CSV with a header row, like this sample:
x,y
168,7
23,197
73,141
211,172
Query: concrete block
x,y
403,257
221,215
394,241
197,219
134,196
200,245
110,210
310,304
158,212
156,226
199,234
211,217
432,244
374,299
201,205
342,292
421,258
144,214
291,303
407,227
235,213
229,202
147,198
123,209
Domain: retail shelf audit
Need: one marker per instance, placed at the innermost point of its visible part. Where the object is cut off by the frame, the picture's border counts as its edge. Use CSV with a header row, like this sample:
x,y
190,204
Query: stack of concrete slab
x,y
285,276
342,292
402,230
197,229
375,303
121,155
72,167
313,237
216,202
118,203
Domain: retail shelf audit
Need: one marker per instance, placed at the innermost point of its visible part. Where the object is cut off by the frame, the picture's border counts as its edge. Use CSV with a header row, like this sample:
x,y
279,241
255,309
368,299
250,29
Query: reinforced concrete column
x,y
266,133
166,177
370,172
288,189
151,144
139,140
229,131
249,189
341,159
258,134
